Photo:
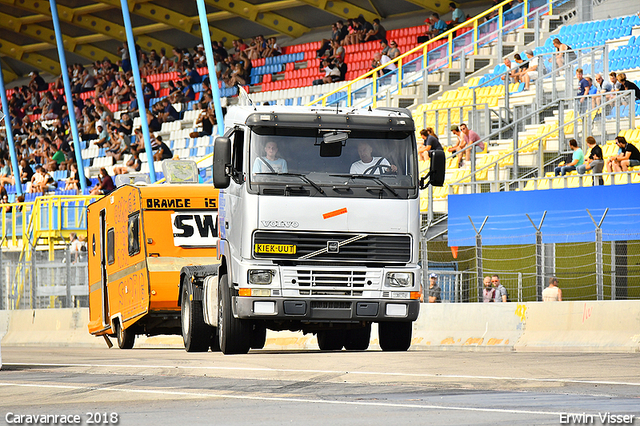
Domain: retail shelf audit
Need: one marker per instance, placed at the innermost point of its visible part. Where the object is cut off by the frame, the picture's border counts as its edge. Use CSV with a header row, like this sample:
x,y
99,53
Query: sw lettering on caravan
x,y
195,229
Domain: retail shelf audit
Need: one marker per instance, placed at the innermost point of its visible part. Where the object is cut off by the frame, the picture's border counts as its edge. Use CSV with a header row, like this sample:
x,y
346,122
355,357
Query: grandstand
x,y
457,77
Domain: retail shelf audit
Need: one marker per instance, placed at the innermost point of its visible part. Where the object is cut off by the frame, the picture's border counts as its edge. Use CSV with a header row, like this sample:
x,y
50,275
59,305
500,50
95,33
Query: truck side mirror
x,y
437,170
221,162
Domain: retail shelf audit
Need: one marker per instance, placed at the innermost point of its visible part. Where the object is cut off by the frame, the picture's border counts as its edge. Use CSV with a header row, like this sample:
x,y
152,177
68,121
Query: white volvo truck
x,y
319,230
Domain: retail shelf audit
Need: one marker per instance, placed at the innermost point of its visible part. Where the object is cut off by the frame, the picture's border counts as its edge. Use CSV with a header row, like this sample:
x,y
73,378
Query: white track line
x,y
280,399
367,373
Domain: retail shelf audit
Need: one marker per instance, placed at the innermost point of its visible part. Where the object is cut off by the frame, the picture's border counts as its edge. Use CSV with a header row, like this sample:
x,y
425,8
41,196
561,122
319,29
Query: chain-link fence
x,y
35,282
525,269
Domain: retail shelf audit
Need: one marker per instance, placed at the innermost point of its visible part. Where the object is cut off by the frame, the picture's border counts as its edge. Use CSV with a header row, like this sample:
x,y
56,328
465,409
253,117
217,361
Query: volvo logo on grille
x,y
333,247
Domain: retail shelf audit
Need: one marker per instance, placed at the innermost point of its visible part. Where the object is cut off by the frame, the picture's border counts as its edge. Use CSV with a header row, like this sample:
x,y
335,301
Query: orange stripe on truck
x,y
334,213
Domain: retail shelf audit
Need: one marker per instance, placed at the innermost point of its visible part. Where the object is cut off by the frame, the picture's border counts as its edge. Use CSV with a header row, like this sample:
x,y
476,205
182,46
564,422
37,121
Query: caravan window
x,y
133,233
111,246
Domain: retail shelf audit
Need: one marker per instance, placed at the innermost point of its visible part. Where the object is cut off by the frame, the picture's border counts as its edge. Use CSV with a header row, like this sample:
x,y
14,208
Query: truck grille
x,y
369,248
330,282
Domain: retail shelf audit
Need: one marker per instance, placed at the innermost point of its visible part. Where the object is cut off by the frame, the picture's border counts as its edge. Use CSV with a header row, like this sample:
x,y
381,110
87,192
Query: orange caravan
x,y
139,238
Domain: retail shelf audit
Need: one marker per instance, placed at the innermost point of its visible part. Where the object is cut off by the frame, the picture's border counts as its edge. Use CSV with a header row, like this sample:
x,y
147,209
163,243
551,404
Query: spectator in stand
x,y
601,87
331,73
379,60
73,181
191,76
238,76
105,185
238,46
41,181
206,119
342,67
436,27
37,84
163,152
6,178
430,142
343,30
384,46
628,85
531,73
613,78
378,32
394,51
257,46
562,49
521,66
459,146
356,31
629,156
513,71
583,91
595,161
272,49
338,53
457,16
26,172
168,112
325,50
577,159
470,137
552,293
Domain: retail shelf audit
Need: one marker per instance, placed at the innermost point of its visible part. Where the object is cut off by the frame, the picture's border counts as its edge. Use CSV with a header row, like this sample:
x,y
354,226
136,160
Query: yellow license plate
x,y
275,248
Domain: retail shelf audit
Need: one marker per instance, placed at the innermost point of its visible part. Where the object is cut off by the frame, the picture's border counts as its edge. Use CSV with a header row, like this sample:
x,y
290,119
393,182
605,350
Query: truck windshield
x,y
292,161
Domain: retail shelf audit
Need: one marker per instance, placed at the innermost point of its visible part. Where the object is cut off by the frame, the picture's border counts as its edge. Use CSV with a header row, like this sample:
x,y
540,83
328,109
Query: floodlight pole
x,y
67,91
142,108
213,78
7,124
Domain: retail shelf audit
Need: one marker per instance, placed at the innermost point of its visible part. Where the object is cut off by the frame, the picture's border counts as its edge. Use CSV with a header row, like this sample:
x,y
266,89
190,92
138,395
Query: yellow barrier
x,y
448,35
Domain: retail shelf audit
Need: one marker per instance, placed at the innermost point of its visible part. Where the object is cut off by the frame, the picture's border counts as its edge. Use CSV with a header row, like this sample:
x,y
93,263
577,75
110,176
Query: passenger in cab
x,y
368,164
270,163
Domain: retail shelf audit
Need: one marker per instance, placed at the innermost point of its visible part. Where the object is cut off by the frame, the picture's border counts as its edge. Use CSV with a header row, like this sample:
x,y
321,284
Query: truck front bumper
x,y
322,310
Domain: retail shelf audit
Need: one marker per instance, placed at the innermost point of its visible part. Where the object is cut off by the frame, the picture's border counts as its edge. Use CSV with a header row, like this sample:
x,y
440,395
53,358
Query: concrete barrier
x,y
468,326
533,326
607,326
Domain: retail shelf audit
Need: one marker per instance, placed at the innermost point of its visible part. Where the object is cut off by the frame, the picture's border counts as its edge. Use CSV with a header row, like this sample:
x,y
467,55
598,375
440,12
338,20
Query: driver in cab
x,y
368,164
270,163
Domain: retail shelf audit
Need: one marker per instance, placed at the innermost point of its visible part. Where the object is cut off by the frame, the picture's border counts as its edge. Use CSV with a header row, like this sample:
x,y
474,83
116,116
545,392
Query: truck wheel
x,y
235,334
331,340
126,337
214,343
395,336
195,332
259,336
357,339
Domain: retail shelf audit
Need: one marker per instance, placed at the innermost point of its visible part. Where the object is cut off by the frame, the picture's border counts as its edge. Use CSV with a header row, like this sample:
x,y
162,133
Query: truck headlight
x,y
399,279
260,276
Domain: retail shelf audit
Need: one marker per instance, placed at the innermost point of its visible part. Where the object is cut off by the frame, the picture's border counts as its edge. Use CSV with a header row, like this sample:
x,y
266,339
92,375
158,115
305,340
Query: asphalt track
x,y
172,387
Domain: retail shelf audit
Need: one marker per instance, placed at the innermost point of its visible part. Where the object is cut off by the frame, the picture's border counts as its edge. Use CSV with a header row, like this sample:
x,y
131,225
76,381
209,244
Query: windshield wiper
x,y
301,176
370,177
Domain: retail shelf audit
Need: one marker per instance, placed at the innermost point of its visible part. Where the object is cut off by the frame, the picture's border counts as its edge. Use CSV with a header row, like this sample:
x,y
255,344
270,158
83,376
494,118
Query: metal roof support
x,y
342,9
7,123
270,20
142,108
213,78
67,91
35,59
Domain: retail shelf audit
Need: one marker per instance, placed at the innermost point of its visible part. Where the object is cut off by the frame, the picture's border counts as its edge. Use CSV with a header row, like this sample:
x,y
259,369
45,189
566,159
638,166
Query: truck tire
x,y
196,334
331,340
125,336
214,343
235,334
259,336
357,339
395,336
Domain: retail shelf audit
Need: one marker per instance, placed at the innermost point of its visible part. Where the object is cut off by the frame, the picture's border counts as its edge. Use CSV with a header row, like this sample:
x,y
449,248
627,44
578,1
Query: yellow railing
x,y
53,215
448,35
